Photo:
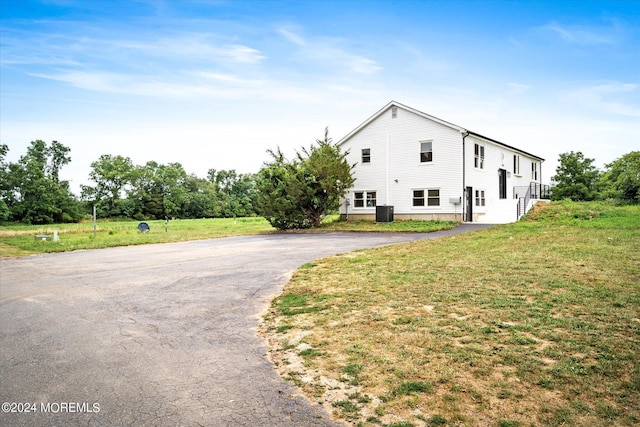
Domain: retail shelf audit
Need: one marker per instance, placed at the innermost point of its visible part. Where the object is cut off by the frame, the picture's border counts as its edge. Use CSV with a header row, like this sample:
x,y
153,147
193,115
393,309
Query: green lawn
x,y
18,239
535,323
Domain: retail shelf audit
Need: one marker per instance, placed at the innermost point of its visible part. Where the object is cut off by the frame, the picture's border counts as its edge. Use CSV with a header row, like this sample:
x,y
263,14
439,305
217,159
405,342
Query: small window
x,y
418,197
516,164
534,171
480,198
479,156
371,199
363,199
366,155
394,112
358,200
433,197
426,151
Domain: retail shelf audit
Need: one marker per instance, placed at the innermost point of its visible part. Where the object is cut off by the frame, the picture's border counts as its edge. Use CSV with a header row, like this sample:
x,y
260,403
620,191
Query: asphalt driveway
x,y
156,335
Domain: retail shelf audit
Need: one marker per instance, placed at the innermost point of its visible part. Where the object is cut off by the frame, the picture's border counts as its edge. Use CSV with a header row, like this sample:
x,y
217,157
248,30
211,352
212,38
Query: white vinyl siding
x,y
396,177
395,170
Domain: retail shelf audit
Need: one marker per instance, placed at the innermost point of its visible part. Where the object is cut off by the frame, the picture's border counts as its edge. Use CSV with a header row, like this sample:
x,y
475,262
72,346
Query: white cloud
x,y
613,98
227,78
361,65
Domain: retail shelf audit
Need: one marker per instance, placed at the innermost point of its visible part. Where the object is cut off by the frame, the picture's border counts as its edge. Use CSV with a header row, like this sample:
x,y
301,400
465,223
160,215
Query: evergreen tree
x,y
302,192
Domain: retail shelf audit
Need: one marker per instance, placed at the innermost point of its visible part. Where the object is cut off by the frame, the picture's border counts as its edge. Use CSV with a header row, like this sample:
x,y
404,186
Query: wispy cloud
x,y
613,98
291,36
517,88
330,52
581,35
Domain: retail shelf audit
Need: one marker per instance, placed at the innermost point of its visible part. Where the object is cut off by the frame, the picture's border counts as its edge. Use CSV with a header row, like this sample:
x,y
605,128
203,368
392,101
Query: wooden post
x,y
94,221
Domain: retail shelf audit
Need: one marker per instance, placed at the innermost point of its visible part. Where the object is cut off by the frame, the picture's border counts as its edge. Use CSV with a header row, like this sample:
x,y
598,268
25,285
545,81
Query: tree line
x,y
578,179
32,192
296,193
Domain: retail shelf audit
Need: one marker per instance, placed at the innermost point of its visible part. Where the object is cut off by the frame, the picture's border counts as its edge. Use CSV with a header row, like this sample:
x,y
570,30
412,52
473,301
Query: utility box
x,y
384,213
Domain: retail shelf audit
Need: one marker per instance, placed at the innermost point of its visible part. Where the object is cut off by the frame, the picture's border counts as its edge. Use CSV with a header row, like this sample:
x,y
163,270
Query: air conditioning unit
x,y
384,213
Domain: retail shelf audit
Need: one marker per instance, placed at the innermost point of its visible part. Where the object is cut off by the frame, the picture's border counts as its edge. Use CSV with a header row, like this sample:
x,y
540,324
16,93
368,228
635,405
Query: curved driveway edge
x,y
157,335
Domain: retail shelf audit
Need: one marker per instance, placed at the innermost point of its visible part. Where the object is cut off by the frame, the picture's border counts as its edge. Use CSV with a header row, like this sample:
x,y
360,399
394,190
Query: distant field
x,y
18,240
535,323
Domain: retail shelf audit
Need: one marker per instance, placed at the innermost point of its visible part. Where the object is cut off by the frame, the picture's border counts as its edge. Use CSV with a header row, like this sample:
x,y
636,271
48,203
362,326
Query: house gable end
x,y
460,129
386,108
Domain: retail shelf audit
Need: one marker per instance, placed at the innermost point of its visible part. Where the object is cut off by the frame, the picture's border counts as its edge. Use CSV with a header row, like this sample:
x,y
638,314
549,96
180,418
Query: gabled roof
x,y
460,129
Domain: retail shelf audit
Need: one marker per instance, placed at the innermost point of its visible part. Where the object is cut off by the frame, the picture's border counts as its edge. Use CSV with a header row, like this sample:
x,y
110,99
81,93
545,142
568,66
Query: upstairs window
x,y
363,199
534,171
516,164
366,155
479,156
426,151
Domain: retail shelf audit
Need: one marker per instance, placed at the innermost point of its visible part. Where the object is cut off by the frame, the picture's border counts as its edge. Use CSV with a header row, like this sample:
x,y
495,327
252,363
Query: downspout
x,y
387,174
465,134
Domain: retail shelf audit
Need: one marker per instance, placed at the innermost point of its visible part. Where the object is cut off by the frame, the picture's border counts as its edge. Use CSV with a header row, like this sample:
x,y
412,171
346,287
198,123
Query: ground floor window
x,y
418,198
363,199
426,197
480,201
433,197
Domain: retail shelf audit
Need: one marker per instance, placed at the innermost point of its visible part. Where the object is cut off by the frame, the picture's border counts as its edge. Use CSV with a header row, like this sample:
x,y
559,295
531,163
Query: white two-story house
x,y
415,166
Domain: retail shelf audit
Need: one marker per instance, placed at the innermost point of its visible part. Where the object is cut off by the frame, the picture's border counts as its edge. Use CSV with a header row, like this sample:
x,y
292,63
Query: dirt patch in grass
x,y
527,324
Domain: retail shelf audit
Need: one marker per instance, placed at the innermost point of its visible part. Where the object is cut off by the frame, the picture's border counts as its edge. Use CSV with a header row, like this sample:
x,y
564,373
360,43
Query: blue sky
x,y
214,84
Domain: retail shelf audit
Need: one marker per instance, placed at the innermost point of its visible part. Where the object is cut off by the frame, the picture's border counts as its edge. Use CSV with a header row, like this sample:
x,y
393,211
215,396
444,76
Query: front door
x,y
502,185
468,217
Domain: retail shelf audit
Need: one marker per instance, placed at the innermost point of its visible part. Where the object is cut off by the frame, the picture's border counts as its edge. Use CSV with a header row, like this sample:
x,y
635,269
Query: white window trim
x,y
362,157
517,169
364,199
483,157
483,197
426,199
534,171
421,163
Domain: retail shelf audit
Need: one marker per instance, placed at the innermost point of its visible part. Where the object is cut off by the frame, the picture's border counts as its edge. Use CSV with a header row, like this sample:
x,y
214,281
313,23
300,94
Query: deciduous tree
x,y
36,193
576,178
622,177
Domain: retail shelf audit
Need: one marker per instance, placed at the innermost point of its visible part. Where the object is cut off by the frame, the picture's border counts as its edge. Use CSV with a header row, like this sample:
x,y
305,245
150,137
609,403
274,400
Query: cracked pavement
x,y
160,334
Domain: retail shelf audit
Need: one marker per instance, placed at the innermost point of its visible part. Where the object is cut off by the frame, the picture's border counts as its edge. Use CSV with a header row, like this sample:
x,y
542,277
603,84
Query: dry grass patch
x,y
528,324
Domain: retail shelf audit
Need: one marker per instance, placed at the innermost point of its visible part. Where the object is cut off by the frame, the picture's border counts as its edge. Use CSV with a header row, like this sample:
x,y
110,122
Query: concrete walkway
x,y
156,335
